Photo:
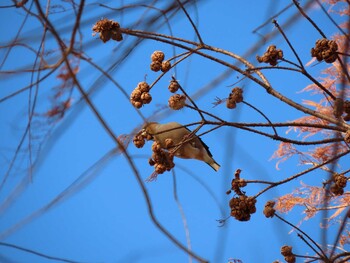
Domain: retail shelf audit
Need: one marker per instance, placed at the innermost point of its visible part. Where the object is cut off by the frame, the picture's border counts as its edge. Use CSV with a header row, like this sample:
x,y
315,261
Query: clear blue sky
x,y
106,220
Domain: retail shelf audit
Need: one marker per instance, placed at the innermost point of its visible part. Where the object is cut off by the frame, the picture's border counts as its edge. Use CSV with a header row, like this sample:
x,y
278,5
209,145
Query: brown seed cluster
x,y
269,211
140,138
242,207
271,56
140,95
158,62
173,86
177,101
237,183
325,50
236,96
286,251
161,159
339,184
107,29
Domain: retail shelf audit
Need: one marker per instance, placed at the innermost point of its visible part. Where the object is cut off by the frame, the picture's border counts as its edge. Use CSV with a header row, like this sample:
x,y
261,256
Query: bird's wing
x,y
206,147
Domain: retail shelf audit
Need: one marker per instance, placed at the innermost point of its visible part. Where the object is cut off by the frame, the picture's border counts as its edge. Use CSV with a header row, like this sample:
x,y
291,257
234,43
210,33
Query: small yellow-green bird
x,y
193,149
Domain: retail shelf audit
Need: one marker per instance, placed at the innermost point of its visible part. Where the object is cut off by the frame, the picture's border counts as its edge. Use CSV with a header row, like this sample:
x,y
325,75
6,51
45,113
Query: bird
x,y
192,149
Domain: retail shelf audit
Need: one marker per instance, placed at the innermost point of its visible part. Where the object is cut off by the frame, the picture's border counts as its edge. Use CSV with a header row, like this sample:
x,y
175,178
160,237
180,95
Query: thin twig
x,y
323,256
38,253
191,21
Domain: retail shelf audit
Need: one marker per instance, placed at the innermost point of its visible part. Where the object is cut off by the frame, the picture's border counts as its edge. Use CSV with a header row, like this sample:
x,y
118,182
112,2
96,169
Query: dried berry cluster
x,y
162,160
242,207
269,211
271,56
107,29
177,101
140,95
237,183
286,251
173,86
325,50
158,62
140,138
236,96
340,181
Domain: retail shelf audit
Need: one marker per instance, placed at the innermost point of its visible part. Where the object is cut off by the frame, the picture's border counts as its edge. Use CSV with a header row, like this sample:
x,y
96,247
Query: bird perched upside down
x,y
195,148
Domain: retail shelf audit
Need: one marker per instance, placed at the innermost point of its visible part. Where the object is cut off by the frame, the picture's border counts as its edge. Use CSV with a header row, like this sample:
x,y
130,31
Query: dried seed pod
x,y
156,66
107,29
156,147
336,190
340,180
230,104
146,98
138,141
290,259
140,95
177,101
136,94
286,251
116,35
325,50
159,168
166,66
161,159
173,86
269,210
157,56
242,207
271,56
236,95
151,162
143,86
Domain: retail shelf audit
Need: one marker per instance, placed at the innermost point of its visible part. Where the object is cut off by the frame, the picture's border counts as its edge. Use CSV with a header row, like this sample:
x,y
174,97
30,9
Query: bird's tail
x,y
214,165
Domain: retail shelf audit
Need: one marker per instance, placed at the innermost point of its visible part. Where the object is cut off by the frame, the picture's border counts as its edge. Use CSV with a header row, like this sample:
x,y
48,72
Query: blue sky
x,y
106,220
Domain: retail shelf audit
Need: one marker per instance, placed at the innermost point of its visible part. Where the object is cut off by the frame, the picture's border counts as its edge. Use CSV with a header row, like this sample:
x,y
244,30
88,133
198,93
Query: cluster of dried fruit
x,y
325,50
236,96
161,159
107,29
173,86
286,251
269,210
177,101
339,184
242,207
271,56
140,95
158,62
237,183
140,138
